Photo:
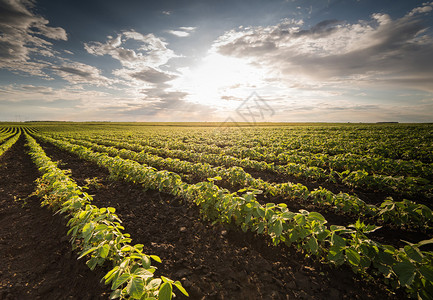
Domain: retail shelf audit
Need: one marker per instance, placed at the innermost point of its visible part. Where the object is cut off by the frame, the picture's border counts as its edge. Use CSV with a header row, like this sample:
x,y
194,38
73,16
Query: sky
x,y
200,60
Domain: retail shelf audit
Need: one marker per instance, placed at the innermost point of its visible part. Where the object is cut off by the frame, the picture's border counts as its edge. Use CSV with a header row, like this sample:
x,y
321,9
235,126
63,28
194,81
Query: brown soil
x,y
211,261
36,261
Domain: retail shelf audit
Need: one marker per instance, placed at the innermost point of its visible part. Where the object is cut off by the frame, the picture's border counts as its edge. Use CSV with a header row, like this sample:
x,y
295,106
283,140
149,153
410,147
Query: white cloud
x,y
182,31
142,70
25,35
153,51
396,52
426,8
79,73
178,33
188,28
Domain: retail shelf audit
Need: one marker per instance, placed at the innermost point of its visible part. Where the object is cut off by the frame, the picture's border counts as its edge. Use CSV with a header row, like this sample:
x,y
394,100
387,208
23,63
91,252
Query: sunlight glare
x,y
220,81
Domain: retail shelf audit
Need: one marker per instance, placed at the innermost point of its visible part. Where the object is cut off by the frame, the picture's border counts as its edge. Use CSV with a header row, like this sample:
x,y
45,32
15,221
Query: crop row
x,y
407,267
7,131
402,213
5,136
98,234
406,186
400,142
279,154
394,142
9,143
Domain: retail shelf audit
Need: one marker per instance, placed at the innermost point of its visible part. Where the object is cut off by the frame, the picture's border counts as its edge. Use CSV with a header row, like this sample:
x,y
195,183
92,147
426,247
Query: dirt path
x,y
36,261
214,262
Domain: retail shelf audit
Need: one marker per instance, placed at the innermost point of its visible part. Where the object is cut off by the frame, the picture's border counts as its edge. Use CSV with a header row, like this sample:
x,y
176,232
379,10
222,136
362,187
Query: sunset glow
x,y
320,61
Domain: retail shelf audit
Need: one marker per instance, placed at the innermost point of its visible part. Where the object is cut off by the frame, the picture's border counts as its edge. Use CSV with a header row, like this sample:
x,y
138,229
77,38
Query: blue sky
x,y
306,61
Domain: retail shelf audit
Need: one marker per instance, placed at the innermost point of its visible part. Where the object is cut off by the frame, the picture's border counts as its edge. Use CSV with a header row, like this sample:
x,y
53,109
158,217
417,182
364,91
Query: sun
x,y
219,81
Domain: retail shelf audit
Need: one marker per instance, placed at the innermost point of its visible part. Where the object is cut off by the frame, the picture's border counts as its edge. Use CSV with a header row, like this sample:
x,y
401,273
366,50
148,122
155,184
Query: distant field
x,y
245,211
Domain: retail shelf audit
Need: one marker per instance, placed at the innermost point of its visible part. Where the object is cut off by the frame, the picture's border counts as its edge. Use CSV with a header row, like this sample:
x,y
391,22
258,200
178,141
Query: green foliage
x,y
10,142
236,176
408,267
97,233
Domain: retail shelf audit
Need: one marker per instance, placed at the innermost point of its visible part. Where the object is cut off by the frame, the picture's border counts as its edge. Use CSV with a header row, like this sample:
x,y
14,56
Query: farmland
x,y
272,211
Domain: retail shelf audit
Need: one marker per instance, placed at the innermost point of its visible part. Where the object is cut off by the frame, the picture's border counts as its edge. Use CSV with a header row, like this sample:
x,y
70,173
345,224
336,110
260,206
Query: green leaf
x,y
87,252
91,263
154,284
260,228
270,205
336,255
104,251
146,262
386,258
288,215
101,227
312,244
165,291
142,272
120,280
353,257
126,248
405,271
115,294
261,212
321,236
337,240
425,242
278,228
427,272
87,231
180,288
413,253
300,219
135,288
156,258
316,216
109,276
365,262
384,269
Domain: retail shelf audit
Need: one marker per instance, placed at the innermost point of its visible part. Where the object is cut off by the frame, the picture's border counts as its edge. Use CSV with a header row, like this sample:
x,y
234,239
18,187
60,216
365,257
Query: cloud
x,y
79,73
41,104
426,8
37,89
141,70
152,75
178,33
153,51
24,35
182,31
395,52
170,107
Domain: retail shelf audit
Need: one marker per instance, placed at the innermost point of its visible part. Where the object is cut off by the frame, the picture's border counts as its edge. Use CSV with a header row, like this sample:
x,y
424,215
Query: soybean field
x,y
210,211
